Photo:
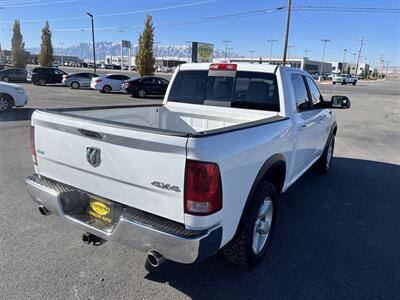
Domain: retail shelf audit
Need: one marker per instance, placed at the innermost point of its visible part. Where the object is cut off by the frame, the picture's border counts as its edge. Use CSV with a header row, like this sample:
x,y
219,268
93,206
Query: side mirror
x,y
340,102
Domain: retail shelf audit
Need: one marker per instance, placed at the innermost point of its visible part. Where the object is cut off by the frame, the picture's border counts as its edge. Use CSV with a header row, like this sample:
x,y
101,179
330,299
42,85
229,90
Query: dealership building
x,y
303,63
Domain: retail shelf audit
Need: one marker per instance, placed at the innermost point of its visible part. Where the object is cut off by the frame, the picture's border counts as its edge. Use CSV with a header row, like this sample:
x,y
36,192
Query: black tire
x,y
334,82
323,164
41,82
141,93
239,250
6,103
343,82
75,85
107,89
355,82
6,79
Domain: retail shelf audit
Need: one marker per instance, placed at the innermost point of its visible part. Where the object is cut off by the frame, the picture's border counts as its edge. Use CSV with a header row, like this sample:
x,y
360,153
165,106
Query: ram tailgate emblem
x,y
93,156
166,186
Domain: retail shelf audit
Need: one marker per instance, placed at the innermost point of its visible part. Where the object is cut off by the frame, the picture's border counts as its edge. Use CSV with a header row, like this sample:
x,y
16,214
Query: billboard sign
x,y
202,52
126,44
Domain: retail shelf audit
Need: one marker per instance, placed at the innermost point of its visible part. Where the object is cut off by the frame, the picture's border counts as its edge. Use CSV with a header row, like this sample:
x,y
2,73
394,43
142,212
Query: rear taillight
x,y
65,76
98,80
203,190
32,143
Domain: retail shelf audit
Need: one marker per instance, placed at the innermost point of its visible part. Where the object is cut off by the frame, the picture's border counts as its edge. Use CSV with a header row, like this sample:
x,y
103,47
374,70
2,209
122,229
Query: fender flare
x,y
273,161
332,132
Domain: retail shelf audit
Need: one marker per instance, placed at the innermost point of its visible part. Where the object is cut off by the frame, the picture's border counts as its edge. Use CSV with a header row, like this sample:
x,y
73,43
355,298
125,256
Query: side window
x,y
114,77
300,92
58,72
316,96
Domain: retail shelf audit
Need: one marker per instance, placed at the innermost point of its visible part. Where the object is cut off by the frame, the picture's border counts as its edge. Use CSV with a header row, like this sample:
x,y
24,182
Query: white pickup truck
x,y
344,79
199,173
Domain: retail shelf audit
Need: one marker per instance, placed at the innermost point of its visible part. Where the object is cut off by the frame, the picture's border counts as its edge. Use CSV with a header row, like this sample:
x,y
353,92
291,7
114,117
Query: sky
x,y
178,21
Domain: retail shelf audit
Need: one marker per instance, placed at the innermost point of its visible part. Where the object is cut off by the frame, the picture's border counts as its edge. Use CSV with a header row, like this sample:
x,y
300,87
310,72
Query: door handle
x,y
307,125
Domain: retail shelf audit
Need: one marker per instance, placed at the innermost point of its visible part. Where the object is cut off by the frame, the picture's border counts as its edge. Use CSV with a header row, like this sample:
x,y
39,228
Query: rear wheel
x,y
355,82
6,78
334,82
254,232
107,89
141,93
41,82
6,103
344,82
75,85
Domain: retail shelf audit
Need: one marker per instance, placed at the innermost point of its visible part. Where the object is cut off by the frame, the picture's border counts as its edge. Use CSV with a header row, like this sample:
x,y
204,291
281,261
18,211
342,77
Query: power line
x,y
116,13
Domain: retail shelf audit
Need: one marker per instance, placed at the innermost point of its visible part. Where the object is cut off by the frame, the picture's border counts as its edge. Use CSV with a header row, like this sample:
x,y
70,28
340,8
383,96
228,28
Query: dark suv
x,y
43,76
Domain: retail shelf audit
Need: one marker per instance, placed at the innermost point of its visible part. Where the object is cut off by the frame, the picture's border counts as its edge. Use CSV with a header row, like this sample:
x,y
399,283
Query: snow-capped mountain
x,y
84,50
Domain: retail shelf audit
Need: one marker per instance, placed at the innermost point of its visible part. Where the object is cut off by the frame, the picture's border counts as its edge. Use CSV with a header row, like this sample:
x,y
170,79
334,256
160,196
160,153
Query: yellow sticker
x,y
99,208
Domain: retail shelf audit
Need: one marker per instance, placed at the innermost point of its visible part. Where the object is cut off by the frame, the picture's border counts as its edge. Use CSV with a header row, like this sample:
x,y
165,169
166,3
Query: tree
x,y
145,57
46,57
18,55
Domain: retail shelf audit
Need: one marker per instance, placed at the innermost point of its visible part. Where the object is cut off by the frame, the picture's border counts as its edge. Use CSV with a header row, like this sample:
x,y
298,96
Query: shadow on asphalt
x,y
17,114
336,237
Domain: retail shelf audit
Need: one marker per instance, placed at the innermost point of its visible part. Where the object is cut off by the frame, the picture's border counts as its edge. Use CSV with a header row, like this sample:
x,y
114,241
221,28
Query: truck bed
x,y
175,119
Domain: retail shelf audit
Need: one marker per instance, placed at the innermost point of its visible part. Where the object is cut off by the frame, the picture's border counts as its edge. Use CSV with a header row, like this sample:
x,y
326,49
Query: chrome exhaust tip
x,y
44,211
155,259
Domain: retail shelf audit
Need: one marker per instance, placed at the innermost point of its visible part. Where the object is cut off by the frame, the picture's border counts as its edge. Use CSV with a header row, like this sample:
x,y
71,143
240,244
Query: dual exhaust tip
x,y
154,258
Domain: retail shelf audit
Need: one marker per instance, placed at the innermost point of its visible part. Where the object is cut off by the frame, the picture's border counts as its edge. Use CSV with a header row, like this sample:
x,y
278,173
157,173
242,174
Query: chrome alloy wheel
x,y
262,225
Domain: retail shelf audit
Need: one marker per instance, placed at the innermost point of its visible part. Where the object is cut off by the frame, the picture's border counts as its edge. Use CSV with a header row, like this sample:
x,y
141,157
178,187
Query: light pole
x,y
354,57
270,49
287,32
189,52
323,57
344,59
306,51
61,54
94,48
251,54
226,42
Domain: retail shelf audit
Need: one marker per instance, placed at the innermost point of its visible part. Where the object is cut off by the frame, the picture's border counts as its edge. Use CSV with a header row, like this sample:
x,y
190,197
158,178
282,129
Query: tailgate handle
x,y
91,134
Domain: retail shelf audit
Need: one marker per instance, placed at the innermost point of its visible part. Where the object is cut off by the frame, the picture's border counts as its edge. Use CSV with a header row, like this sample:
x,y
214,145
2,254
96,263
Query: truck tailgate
x,y
135,166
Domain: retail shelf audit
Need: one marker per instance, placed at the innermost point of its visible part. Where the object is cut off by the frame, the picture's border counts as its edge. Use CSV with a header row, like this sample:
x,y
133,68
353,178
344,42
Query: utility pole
x,y
229,50
189,47
359,53
251,57
61,54
289,47
306,51
226,42
344,59
270,49
287,32
94,47
387,67
323,57
382,61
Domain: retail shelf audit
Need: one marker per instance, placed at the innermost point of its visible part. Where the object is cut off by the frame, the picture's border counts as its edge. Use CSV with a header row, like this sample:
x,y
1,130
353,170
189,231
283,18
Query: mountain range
x,y
84,50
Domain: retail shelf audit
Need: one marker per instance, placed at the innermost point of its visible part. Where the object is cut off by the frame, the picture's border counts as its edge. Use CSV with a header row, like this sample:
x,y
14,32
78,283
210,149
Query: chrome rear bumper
x,y
137,229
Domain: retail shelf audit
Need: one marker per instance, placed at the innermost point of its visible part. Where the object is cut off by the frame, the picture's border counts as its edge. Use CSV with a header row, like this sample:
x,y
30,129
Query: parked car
x,y
78,80
143,86
108,83
43,75
200,173
14,74
12,95
345,79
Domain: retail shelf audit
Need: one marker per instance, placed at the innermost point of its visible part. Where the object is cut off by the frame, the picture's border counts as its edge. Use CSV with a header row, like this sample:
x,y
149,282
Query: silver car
x,y
77,80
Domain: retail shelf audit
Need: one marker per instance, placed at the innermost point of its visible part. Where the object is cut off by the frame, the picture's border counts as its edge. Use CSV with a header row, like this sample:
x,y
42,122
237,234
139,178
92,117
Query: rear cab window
x,y
239,89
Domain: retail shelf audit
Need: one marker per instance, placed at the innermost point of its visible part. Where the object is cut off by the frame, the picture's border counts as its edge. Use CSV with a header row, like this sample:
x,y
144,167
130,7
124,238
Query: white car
x,y
12,95
108,83
199,173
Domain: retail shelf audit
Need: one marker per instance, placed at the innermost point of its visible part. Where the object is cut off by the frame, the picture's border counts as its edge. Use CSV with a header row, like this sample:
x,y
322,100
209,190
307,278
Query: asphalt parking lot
x,y
336,237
